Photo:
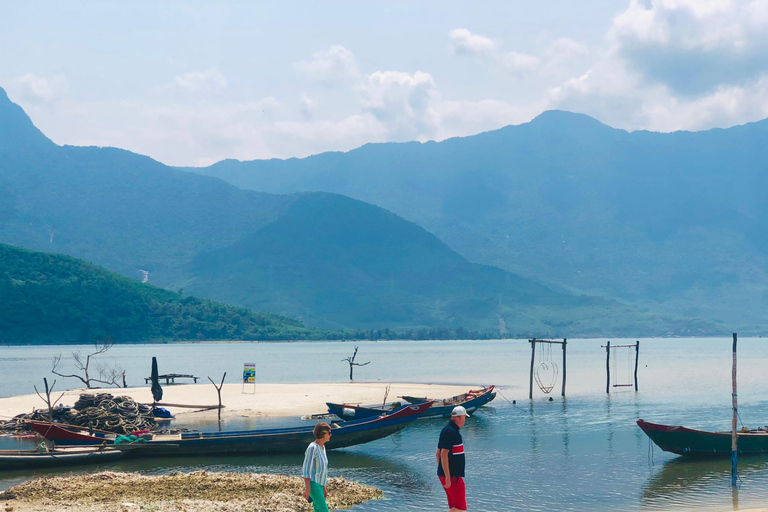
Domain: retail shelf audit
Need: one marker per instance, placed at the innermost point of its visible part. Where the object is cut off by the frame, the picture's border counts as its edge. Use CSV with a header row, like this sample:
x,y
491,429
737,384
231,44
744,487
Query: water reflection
x,y
694,483
566,432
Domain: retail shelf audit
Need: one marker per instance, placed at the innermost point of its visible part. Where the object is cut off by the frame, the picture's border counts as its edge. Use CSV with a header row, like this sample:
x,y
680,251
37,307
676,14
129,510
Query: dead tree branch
x,y
218,390
47,398
107,374
352,363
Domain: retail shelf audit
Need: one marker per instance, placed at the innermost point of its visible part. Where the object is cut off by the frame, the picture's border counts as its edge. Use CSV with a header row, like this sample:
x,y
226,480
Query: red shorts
x,y
456,492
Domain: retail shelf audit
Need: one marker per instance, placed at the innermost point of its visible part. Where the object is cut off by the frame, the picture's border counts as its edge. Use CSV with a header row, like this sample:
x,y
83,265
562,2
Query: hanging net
x,y
545,373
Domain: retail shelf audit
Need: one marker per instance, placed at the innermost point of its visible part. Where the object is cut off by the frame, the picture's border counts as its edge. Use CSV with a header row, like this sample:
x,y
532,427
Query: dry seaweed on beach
x,y
198,491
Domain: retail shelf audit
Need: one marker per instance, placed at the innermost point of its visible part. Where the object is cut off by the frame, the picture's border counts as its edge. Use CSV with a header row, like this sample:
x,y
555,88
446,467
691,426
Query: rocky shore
x,y
198,491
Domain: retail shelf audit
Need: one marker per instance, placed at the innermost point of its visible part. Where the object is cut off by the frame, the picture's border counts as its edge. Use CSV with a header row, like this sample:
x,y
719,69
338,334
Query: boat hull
x,y
284,440
699,443
439,407
25,459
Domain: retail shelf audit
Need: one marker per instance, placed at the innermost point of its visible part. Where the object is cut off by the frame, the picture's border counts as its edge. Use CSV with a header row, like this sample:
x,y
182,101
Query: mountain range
x,y
328,260
672,222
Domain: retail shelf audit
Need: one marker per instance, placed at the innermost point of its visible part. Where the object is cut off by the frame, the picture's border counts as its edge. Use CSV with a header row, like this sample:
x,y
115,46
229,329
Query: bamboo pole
x,y
608,368
734,435
565,342
530,379
637,359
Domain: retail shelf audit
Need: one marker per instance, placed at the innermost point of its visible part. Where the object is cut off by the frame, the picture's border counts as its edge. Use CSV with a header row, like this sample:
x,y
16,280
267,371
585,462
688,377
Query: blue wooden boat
x,y
278,440
471,401
25,459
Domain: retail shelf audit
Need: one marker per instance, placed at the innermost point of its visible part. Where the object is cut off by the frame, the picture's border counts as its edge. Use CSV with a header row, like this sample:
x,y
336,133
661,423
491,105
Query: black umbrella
x,y
157,391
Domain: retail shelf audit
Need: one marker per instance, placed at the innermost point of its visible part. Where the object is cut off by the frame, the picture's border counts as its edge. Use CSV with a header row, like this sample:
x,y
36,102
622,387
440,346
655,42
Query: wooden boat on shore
x,y
700,443
278,440
471,401
24,459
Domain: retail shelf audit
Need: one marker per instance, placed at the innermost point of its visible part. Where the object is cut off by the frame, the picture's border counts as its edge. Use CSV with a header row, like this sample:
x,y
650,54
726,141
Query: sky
x,y
191,83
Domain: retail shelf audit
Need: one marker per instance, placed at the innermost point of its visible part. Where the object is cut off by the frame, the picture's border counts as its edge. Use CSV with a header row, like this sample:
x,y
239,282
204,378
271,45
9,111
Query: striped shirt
x,y
315,464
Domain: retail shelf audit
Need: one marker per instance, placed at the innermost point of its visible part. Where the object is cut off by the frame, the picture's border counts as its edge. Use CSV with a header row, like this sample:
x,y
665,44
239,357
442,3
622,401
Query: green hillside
x,y
675,222
335,262
50,298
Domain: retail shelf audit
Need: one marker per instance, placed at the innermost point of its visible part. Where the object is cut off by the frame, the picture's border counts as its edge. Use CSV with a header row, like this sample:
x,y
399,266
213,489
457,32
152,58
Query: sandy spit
x,y
239,400
198,491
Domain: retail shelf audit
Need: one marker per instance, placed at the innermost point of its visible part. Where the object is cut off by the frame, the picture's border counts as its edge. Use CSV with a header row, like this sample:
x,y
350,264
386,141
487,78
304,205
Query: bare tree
x,y
108,374
352,363
218,390
47,398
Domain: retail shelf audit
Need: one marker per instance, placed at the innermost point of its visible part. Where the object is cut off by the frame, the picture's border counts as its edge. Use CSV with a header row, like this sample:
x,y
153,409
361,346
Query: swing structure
x,y
612,356
545,373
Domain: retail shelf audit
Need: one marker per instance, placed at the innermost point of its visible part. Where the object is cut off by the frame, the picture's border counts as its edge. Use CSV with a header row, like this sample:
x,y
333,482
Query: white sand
x,y
265,400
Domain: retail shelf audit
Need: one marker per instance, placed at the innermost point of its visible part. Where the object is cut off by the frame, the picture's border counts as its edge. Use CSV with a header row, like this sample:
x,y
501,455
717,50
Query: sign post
x,y
249,376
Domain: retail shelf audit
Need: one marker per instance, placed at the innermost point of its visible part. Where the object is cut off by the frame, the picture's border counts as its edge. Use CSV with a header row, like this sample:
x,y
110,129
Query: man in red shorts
x,y
450,460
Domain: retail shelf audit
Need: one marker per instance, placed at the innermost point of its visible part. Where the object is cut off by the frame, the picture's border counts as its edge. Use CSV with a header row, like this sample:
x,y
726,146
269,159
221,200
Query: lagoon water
x,y
581,453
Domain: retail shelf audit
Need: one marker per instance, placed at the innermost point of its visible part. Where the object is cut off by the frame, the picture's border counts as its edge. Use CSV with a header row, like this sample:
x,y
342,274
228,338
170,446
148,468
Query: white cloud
x,y
201,81
693,46
484,48
335,65
307,106
463,41
402,102
462,118
39,90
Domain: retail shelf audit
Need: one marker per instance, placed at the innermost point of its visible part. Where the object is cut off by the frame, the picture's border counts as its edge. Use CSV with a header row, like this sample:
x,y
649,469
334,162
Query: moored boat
x,y
691,442
279,440
24,459
471,401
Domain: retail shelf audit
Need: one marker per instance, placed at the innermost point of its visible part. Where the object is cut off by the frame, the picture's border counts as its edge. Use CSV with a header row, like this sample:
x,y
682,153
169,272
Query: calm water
x,y
581,453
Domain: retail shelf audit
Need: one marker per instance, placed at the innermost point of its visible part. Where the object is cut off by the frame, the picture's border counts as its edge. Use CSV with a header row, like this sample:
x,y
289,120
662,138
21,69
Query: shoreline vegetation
x,y
197,491
53,299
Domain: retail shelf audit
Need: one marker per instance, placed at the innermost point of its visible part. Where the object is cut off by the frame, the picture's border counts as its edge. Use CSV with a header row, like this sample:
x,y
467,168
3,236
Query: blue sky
x,y
191,83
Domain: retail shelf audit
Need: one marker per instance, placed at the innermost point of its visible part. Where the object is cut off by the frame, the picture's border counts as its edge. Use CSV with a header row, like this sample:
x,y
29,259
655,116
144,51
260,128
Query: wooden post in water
x,y
533,355
734,435
565,342
608,367
637,358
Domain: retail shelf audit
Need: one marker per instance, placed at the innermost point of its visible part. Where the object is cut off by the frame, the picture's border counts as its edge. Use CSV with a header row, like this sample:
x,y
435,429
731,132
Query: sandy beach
x,y
263,400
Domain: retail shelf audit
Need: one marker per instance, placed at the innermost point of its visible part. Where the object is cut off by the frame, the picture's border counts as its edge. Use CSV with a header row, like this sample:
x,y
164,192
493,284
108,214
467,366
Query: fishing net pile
x,y
102,411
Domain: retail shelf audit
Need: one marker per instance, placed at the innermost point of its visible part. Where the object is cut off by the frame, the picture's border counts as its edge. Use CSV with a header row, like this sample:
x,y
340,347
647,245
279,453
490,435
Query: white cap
x,y
459,411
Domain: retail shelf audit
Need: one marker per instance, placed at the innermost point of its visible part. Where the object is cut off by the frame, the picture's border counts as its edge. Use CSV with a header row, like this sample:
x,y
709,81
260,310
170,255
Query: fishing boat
x,y
690,442
278,440
471,401
65,456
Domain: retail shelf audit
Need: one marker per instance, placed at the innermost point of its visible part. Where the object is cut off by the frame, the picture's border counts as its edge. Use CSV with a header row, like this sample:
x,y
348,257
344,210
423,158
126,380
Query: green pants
x,y
318,497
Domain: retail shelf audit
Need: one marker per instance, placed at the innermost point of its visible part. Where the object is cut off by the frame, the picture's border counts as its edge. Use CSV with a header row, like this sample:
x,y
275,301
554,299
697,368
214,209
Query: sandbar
x,y
249,400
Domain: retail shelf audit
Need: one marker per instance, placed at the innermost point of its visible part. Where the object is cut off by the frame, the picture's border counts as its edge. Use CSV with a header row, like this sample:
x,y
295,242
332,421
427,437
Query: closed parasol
x,y
157,391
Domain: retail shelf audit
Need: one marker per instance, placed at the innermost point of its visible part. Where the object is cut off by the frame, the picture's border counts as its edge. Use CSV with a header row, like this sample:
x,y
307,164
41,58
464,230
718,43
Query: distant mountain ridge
x,y
328,260
674,221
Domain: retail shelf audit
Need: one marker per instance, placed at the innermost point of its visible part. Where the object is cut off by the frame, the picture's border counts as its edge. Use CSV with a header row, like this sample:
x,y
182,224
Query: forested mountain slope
x,y
675,221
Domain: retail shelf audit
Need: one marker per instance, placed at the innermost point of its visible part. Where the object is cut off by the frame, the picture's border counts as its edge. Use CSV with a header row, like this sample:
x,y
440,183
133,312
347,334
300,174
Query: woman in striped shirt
x,y
315,469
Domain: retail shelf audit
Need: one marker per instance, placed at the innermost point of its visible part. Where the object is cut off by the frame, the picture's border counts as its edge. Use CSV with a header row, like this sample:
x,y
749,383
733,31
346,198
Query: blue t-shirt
x,y
450,439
